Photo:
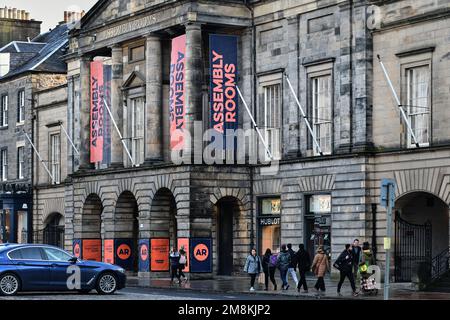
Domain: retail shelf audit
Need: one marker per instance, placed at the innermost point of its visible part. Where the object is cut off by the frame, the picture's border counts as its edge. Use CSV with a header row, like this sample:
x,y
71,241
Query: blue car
x,y
35,267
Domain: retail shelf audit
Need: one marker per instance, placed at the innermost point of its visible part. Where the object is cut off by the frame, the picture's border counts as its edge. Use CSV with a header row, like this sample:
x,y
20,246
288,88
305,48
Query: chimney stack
x,y
14,13
72,16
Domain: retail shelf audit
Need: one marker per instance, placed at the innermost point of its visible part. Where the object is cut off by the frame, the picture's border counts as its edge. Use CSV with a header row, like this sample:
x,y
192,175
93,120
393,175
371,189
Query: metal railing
x,y
440,264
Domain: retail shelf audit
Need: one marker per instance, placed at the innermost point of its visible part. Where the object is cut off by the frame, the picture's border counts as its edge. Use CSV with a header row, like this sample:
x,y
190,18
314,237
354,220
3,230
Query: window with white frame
x,y
4,164
4,63
418,103
137,130
20,162
21,107
321,99
271,118
4,111
55,157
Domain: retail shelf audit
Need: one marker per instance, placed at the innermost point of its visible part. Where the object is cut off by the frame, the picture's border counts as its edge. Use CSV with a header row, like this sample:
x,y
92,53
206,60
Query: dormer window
x,y
4,63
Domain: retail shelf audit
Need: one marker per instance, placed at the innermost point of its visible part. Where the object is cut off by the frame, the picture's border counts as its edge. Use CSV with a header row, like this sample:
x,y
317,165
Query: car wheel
x,y
9,284
107,283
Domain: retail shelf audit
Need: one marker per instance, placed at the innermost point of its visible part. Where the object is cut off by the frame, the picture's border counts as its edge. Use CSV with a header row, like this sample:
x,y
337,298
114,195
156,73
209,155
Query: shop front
x,y
15,222
269,223
318,223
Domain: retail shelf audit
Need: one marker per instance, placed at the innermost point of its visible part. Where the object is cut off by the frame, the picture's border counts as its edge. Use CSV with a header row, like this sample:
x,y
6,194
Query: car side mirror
x,y
73,260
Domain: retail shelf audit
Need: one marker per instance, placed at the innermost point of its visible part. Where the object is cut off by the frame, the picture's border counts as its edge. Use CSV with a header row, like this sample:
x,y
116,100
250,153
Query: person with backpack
x,y
304,265
182,263
320,266
253,267
344,264
292,270
269,262
283,262
174,258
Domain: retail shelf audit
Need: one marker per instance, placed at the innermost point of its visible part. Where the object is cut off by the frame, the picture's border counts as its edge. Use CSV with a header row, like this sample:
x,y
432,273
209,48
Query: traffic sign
x,y
387,188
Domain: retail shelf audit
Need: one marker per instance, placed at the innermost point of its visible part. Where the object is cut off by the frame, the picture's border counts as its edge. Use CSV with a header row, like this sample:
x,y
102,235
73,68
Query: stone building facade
x,y
326,195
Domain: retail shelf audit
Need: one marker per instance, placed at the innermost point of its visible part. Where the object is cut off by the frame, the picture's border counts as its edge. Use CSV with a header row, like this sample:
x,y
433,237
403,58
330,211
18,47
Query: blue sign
x,y
387,191
77,248
201,255
124,253
144,255
223,93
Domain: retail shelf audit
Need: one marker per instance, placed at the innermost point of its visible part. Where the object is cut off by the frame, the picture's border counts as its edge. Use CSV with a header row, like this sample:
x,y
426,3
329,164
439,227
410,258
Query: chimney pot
x,y
65,16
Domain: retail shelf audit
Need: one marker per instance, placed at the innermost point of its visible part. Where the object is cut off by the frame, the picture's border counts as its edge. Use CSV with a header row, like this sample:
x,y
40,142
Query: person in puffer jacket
x,y
253,267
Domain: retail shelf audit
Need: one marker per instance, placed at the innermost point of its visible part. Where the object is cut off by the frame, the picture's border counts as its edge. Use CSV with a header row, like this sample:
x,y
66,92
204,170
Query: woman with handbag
x,y
253,267
320,266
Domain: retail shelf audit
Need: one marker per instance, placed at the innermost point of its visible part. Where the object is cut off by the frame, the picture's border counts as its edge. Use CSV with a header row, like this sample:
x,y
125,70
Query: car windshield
x,y
57,255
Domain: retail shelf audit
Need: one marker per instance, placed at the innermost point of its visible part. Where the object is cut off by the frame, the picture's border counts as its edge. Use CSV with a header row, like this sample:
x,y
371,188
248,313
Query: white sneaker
x,y
252,289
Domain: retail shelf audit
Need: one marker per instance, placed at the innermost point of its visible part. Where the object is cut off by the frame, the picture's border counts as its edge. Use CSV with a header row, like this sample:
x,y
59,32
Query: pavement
x,y
240,285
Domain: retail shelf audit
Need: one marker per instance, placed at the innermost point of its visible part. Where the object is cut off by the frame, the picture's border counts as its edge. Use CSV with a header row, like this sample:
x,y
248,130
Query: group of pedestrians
x,y
352,260
178,262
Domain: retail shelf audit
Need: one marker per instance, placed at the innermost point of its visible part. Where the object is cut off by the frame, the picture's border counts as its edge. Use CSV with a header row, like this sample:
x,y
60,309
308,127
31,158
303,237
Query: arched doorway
x,y
421,231
126,225
91,218
54,230
163,222
227,233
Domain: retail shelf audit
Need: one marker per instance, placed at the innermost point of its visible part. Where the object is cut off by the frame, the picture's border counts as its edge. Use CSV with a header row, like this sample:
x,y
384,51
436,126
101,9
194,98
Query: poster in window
x,y
108,251
92,249
124,253
159,254
183,243
144,255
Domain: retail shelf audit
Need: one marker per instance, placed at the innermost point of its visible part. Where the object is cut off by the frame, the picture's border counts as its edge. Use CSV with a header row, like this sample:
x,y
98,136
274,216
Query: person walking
x,y
269,262
320,266
174,258
283,262
292,270
367,259
356,251
304,265
253,267
345,265
182,263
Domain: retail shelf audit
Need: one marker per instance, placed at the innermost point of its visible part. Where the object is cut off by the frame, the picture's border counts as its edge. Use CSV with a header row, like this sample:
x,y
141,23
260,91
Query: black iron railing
x,y
440,264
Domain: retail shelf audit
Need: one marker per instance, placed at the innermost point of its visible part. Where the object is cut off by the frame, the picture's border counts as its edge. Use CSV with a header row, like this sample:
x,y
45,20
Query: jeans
x,y
346,274
252,279
320,284
283,274
293,274
302,281
269,273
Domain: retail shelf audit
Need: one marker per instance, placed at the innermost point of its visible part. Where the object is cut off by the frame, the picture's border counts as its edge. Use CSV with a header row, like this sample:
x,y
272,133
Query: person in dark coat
x,y
304,265
174,258
345,265
356,251
269,262
283,262
292,270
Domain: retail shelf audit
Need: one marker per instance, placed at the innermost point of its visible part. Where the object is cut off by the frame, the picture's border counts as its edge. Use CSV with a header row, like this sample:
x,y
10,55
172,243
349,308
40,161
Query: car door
x,y
61,269
32,268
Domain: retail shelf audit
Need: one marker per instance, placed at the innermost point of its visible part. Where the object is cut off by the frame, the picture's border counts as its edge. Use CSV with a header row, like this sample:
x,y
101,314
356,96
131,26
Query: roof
x,y
42,54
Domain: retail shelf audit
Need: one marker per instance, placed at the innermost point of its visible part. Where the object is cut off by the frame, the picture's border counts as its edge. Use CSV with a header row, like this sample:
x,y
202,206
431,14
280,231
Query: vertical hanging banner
x,y
92,249
177,103
107,76
223,94
77,248
184,243
124,253
159,254
108,251
201,255
144,255
96,141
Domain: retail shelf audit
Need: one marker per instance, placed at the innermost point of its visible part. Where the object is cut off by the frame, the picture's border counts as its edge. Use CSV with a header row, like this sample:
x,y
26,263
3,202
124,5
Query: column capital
x,y
116,47
153,37
193,25
85,58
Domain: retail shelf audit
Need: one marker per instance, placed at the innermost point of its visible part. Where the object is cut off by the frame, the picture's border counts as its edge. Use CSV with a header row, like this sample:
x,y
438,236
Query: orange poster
x,y
92,250
109,251
184,243
159,254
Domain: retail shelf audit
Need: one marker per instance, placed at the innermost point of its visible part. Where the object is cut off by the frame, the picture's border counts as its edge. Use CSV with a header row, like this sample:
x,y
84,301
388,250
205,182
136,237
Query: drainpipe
x,y
31,215
374,232
351,77
252,209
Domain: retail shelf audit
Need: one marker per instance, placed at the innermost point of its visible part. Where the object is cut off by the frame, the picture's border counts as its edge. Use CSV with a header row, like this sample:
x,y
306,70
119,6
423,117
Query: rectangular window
x,y
5,225
271,117
20,162
55,157
137,53
4,63
321,96
270,224
4,111
137,130
4,164
418,103
21,107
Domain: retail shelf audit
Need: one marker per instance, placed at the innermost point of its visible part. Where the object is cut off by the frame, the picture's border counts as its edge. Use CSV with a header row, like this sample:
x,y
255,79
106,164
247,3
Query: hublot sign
x,y
269,221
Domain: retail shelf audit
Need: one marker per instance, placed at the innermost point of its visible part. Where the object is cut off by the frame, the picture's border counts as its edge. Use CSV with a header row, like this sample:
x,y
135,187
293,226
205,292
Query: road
x,y
143,294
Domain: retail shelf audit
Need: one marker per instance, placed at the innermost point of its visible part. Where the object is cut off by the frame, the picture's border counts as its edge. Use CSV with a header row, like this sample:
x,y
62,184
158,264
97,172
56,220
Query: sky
x,y
50,12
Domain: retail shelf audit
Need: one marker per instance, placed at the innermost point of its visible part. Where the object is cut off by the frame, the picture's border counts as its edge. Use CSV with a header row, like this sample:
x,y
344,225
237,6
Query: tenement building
x,y
147,77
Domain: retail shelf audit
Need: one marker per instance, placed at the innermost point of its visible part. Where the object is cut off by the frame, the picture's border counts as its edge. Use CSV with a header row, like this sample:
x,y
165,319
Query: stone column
x,y
85,113
153,135
116,105
194,76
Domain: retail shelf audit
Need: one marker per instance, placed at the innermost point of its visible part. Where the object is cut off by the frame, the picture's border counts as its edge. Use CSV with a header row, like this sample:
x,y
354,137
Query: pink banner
x,y
97,111
177,93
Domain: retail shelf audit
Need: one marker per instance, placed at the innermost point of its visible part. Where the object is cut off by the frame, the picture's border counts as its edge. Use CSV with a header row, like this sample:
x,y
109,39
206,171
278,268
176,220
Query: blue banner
x,y
144,255
77,248
223,93
201,255
124,253
107,76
